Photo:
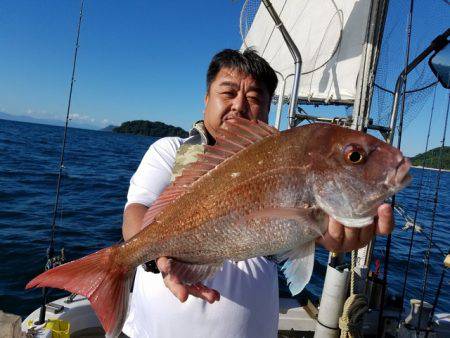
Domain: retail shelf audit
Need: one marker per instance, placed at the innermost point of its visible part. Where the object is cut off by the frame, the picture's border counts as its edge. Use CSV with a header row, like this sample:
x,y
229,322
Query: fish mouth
x,y
400,177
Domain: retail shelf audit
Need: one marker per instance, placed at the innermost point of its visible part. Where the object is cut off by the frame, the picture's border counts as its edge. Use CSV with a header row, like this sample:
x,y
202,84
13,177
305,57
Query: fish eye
x,y
354,154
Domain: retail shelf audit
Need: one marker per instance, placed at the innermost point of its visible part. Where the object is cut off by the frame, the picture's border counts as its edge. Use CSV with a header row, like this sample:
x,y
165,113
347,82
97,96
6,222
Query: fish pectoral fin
x,y
298,267
312,218
193,273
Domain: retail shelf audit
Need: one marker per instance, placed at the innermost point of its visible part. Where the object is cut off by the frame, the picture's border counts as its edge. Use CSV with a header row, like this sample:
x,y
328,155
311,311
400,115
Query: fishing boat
x,y
333,64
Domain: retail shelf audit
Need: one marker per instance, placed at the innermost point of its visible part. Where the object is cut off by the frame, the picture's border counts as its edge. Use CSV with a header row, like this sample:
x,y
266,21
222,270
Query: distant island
x,y
431,158
46,121
109,128
149,128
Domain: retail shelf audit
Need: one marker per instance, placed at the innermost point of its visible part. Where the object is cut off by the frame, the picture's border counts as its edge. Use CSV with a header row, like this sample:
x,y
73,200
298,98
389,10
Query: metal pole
x,y
280,100
296,56
51,249
281,103
437,44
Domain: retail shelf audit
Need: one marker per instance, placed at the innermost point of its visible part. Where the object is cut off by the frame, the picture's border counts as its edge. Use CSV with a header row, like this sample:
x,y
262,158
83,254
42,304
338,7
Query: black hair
x,y
248,62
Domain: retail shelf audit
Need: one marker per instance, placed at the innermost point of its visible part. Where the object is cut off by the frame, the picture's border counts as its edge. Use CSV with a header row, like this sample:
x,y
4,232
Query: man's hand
x,y
182,291
339,238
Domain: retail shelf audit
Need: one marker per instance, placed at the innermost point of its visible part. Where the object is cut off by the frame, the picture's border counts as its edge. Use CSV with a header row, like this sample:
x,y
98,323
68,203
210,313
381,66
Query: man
x,y
238,84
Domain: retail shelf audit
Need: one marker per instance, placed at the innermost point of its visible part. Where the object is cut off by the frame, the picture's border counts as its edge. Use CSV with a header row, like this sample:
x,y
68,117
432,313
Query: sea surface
x,y
98,167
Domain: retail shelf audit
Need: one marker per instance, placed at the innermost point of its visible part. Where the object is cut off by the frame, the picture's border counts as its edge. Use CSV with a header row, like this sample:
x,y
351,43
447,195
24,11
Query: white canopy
x,y
330,37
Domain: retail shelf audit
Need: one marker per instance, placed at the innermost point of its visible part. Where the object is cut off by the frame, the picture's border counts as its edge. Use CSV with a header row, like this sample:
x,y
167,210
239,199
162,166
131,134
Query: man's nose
x,y
240,106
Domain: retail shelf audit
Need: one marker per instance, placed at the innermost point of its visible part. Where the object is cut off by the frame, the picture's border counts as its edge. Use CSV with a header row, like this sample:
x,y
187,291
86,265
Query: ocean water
x,y
98,167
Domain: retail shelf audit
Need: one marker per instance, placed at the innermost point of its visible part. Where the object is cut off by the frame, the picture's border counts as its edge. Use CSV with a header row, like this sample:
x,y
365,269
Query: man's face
x,y
234,93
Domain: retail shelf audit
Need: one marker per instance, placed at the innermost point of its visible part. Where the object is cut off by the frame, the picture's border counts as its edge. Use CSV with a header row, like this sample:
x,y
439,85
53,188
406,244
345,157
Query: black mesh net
x,y
430,18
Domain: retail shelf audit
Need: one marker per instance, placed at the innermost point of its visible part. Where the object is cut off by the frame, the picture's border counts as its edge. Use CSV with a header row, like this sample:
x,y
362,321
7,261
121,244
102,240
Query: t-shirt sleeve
x,y
154,171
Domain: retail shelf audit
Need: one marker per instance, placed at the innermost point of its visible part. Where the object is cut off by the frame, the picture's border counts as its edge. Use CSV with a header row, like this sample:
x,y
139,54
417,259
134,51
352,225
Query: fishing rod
x,y
436,45
433,217
51,259
404,77
411,240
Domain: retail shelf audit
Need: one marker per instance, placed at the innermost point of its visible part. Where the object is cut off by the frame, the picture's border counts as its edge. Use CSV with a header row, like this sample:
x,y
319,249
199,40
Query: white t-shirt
x,y
248,306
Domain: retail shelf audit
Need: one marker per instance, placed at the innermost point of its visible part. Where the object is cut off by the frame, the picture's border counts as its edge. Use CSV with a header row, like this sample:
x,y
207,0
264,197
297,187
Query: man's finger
x,y
366,234
334,236
385,223
336,231
329,243
170,281
351,241
179,290
203,292
163,264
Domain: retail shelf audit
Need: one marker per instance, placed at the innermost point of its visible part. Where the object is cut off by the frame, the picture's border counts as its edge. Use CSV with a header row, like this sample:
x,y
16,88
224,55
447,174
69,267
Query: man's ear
x,y
206,99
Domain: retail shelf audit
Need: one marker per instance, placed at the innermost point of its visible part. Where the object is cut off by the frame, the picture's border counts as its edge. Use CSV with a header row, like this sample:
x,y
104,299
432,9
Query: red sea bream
x,y
256,192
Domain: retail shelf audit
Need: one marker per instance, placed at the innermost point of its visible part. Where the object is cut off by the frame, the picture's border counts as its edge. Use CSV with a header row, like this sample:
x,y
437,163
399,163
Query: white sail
x,y
329,35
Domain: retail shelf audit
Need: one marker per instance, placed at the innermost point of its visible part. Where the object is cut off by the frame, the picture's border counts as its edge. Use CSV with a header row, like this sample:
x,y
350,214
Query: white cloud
x,y
74,116
80,117
59,117
107,122
42,114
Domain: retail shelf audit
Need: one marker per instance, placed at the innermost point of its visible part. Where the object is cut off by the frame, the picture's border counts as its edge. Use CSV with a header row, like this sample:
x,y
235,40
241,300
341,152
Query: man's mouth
x,y
229,117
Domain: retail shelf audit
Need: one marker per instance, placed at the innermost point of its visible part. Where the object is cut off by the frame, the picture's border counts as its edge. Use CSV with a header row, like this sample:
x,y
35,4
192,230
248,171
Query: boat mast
x,y
361,107
369,62
336,278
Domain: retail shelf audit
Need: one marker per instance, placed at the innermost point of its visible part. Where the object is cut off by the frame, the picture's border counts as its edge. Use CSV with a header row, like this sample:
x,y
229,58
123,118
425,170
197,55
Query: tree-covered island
x,y
431,158
149,128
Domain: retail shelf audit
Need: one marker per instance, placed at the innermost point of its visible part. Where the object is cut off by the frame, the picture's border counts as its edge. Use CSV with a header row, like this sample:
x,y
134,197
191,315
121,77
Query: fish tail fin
x,y
100,278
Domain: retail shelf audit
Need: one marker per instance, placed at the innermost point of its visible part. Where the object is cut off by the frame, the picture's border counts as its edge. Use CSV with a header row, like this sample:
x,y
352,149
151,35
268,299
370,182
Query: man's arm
x,y
132,220
150,179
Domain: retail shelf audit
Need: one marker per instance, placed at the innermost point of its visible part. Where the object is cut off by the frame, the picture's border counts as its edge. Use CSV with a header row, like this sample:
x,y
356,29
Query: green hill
x,y
149,128
431,158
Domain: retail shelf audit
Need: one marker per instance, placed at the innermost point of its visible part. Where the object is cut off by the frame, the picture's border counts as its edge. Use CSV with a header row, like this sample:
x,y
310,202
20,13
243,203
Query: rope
x,y
351,321
411,91
410,224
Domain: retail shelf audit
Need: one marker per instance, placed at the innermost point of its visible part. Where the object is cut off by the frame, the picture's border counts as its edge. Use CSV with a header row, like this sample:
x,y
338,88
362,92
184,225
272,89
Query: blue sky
x,y
139,60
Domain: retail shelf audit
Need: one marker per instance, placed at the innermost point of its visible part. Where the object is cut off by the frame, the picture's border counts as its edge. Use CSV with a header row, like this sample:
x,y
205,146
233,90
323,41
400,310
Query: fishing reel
x,y
54,260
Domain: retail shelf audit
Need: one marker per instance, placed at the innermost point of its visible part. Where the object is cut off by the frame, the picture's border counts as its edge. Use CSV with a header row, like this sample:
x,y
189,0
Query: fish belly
x,y
240,240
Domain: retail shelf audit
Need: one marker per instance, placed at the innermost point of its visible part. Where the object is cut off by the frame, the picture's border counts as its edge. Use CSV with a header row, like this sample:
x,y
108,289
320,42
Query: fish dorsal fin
x,y
235,135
